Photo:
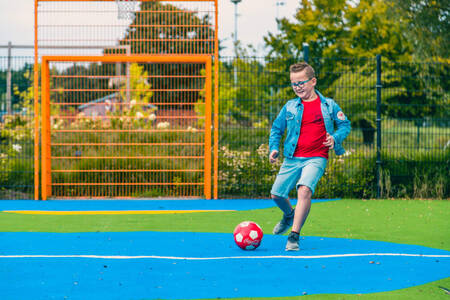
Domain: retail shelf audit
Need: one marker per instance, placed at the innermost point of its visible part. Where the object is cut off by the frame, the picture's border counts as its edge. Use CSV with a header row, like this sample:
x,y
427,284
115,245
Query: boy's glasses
x,y
299,83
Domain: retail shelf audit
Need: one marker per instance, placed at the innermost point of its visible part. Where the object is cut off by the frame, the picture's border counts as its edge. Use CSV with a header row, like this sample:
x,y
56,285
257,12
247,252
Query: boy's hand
x,y
273,156
329,141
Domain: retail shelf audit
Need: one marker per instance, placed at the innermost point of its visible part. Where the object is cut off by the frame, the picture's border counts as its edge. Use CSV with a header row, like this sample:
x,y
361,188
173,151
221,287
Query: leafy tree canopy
x,y
160,28
426,25
336,28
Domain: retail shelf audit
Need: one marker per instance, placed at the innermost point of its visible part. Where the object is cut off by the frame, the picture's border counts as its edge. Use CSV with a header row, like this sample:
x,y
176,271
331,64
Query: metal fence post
x,y
306,52
379,86
8,81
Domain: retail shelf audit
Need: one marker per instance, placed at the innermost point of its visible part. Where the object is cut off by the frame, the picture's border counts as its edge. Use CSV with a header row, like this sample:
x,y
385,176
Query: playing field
x,y
184,249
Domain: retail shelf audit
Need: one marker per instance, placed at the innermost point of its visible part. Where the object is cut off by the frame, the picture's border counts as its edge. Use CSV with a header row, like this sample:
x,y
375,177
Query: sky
x,y
256,19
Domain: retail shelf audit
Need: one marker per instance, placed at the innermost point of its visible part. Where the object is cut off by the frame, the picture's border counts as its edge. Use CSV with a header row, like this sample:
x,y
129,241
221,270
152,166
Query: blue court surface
x,y
189,265
186,265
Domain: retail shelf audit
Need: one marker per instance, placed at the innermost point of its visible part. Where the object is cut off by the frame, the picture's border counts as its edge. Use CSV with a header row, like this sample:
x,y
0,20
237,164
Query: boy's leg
x,y
288,217
284,204
312,172
302,209
301,213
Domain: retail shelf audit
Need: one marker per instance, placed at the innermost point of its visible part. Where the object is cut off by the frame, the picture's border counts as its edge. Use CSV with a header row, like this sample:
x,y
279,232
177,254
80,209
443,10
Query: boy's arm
x,y
277,131
342,124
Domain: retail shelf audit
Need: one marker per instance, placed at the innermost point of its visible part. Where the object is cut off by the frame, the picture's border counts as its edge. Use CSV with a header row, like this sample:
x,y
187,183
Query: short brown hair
x,y
298,67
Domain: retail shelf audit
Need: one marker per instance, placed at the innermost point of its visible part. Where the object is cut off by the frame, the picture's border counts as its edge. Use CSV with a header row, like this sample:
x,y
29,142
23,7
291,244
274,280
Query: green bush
x,y
16,155
353,175
246,173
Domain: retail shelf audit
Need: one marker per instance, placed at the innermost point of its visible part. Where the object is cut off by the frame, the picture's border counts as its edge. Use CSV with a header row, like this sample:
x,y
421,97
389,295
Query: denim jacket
x,y
290,118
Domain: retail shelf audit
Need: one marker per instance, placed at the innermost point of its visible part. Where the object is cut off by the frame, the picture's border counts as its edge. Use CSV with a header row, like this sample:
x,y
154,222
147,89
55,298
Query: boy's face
x,y
302,85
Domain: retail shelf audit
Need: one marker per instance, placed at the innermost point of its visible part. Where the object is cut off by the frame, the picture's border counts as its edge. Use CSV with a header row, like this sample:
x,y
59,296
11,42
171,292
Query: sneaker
x,y
284,224
293,242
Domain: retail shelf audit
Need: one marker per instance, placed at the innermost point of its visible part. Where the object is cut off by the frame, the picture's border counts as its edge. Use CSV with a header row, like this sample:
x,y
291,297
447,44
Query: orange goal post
x,y
129,68
115,147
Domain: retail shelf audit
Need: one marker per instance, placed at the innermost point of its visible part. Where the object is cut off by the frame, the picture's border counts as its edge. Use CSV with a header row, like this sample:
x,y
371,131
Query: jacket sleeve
x,y
277,131
342,124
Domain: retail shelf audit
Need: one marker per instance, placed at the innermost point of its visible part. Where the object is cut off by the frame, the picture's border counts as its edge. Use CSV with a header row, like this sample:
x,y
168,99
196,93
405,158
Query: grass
x,y
418,222
423,292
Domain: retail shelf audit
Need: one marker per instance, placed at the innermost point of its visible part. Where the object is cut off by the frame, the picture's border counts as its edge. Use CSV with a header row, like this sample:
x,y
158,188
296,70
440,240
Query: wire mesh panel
x,y
413,140
416,132
106,134
16,128
109,26
250,104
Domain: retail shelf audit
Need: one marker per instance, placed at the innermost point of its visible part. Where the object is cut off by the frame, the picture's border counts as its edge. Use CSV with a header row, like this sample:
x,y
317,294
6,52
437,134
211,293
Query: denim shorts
x,y
298,171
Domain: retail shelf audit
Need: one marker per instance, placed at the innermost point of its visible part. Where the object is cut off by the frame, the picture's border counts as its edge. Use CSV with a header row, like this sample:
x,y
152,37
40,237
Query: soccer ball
x,y
248,235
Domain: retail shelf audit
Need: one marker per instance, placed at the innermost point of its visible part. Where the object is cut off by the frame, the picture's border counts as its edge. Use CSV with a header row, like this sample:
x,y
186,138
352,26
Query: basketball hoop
x,y
126,9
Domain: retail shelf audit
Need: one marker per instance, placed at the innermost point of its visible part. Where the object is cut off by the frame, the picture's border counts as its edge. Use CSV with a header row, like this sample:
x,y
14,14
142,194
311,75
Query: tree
x,y
426,25
167,29
344,38
356,93
319,23
416,91
340,29
20,81
250,88
79,83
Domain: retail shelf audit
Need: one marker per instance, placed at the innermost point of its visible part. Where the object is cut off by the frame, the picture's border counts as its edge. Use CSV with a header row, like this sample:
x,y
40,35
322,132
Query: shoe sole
x,y
292,249
292,246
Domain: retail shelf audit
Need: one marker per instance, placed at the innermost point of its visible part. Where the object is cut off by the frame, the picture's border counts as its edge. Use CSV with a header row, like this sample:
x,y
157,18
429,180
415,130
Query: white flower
x,y
192,129
17,147
57,124
163,125
132,102
152,117
347,153
139,115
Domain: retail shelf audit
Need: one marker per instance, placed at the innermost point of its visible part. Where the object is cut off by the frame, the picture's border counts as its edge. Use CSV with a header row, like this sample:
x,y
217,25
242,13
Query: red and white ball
x,y
248,235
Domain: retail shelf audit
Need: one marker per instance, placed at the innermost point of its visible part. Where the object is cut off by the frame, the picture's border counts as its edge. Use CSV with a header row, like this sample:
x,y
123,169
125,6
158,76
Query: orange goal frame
x,y
45,108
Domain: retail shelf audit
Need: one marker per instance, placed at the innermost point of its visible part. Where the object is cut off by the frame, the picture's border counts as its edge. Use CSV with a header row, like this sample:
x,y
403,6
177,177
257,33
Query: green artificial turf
x,y
429,291
418,222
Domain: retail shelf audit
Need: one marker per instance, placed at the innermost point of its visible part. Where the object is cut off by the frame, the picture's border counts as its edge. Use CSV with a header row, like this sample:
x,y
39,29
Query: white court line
x,y
226,257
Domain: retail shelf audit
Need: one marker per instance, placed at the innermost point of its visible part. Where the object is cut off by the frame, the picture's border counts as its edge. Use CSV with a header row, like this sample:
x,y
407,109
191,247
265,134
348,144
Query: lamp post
x,y
278,4
236,2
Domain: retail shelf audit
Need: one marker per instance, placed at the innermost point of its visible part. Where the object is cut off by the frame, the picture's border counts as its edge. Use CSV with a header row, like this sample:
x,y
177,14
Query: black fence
x,y
16,127
400,140
399,145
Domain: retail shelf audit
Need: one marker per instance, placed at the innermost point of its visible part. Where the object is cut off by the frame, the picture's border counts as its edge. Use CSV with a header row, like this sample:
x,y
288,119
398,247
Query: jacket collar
x,y
322,98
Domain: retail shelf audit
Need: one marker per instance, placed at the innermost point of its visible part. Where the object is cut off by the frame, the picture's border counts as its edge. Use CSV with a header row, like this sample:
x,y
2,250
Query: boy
x,y
309,121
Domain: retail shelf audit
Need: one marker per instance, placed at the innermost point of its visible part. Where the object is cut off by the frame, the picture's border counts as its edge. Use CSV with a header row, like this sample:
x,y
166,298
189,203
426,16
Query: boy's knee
x,y
303,190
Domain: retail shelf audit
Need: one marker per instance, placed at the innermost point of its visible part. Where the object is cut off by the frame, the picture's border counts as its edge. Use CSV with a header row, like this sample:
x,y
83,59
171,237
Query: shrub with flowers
x,y
16,152
246,172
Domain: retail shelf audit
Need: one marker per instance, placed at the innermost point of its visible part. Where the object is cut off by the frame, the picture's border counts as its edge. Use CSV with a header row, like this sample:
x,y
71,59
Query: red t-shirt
x,y
313,133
